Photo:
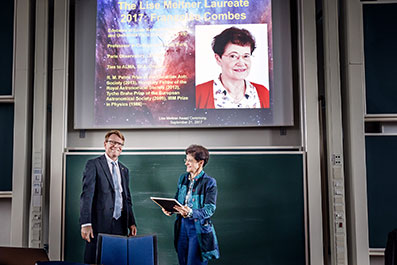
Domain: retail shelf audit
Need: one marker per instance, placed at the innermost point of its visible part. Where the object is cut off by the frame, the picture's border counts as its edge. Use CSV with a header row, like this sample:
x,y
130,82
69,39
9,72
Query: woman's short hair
x,y
199,153
116,132
241,37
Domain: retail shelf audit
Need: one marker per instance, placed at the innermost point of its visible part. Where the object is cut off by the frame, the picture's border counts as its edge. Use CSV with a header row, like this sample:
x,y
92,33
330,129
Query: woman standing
x,y
195,240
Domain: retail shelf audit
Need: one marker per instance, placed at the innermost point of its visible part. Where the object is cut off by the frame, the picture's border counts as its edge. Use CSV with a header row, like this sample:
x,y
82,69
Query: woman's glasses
x,y
235,57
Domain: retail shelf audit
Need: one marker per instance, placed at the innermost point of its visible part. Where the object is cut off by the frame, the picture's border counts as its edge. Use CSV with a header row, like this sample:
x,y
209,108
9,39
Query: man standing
x,y
105,202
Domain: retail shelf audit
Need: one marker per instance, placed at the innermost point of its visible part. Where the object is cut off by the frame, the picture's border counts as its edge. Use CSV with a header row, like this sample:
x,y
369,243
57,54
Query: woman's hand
x,y
183,210
166,212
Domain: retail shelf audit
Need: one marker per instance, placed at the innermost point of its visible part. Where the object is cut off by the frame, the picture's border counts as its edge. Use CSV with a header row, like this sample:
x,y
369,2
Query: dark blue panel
x,y
381,155
380,42
140,250
6,46
113,250
6,143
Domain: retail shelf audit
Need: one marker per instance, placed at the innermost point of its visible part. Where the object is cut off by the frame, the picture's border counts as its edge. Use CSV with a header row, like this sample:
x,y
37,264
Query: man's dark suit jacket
x,y
97,198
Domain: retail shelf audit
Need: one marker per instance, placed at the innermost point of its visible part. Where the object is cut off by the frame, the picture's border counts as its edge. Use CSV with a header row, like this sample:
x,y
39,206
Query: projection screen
x,y
152,64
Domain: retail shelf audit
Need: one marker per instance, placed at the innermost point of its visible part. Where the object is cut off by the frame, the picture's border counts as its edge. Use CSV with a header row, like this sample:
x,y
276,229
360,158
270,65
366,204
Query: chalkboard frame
x,y
300,155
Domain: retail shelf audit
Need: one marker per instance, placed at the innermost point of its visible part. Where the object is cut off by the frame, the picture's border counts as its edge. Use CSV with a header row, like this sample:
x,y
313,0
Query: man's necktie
x,y
117,199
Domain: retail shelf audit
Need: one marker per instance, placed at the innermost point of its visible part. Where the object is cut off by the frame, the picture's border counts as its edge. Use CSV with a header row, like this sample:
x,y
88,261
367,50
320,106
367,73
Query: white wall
x,y
181,138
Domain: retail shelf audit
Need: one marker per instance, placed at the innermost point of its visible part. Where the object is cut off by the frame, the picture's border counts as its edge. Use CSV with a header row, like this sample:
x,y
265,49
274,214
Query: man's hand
x,y
133,230
87,233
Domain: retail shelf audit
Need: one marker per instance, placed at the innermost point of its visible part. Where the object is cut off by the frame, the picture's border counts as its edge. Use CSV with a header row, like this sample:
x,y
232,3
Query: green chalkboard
x,y
380,42
6,143
381,158
260,209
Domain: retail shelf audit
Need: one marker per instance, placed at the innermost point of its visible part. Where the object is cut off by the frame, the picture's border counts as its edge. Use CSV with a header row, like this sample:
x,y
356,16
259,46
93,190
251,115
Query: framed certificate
x,y
166,203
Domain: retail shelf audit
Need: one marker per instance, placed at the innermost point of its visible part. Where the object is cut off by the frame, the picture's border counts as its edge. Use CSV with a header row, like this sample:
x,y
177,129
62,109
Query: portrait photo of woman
x,y
233,51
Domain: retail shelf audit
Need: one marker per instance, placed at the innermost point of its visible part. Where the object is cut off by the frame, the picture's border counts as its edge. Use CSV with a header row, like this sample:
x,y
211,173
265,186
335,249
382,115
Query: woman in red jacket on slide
x,y
233,49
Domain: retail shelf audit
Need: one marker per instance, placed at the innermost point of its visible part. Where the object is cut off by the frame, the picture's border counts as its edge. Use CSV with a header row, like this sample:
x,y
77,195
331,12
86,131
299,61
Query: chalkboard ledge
x,y
376,251
6,194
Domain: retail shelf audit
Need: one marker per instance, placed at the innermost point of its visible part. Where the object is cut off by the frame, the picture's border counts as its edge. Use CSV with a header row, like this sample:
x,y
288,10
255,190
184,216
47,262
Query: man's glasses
x,y
235,57
115,143
188,160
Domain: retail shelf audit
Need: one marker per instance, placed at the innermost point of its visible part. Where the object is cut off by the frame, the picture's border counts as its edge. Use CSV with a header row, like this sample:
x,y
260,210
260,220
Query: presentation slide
x,y
186,63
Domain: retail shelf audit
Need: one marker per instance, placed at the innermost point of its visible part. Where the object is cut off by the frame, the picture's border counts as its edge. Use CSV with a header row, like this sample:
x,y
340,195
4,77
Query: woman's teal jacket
x,y
204,195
